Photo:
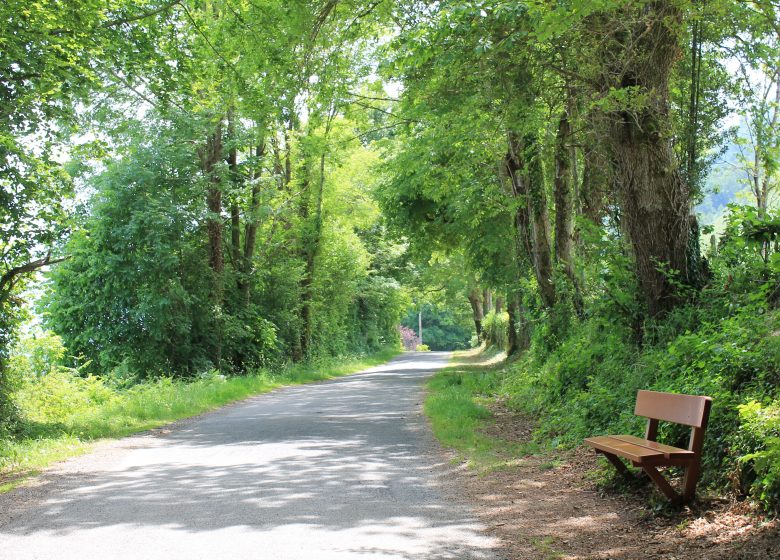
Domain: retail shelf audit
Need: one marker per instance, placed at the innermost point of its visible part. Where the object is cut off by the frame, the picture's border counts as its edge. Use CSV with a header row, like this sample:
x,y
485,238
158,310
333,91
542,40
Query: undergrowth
x,y
587,386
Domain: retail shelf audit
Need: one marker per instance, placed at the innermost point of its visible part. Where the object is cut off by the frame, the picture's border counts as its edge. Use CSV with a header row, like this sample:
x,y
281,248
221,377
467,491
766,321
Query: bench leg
x,y
689,482
662,483
619,465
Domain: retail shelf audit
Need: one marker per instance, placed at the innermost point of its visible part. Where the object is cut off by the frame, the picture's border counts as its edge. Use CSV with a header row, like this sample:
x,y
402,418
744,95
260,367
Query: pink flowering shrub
x,y
409,338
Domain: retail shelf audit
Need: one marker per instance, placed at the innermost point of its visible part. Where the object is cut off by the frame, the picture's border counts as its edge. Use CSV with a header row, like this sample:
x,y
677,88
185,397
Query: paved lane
x,y
336,470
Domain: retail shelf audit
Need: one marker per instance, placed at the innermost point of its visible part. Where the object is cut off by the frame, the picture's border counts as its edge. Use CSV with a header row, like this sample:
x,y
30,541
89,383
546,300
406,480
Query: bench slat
x,y
688,410
669,451
630,451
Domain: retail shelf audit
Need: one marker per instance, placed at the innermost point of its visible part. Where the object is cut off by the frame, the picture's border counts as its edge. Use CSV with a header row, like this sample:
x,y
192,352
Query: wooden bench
x,y
647,454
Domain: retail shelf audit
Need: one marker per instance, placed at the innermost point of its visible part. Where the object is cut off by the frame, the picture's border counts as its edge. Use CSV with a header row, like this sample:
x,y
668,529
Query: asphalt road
x,y
345,469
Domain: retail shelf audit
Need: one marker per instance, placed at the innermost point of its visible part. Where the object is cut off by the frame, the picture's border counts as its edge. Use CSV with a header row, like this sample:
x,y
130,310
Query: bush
x,y
494,329
762,424
409,338
422,348
61,394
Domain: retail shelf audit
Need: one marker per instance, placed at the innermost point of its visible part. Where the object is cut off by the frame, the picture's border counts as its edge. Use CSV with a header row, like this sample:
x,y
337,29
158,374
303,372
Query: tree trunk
x,y
210,156
487,301
512,346
594,189
475,299
524,167
310,250
518,329
302,349
522,221
499,305
235,214
654,199
564,209
250,229
311,255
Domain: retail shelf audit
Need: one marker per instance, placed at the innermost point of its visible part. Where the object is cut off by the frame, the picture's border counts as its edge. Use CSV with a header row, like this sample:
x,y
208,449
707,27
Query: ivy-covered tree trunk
x,y
9,415
635,70
512,345
310,254
595,184
250,229
306,254
235,210
487,301
563,194
518,329
524,167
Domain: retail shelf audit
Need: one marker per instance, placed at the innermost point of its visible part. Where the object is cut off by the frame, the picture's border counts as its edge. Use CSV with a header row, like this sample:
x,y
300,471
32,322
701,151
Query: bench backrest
x,y
689,410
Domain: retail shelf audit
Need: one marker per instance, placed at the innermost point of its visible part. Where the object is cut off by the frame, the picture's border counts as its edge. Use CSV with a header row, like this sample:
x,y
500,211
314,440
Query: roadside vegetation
x,y
549,499
458,407
586,385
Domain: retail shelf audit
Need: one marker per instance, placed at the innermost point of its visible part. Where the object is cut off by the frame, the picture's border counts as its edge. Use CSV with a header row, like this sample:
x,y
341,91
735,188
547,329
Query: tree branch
x,y
8,280
143,15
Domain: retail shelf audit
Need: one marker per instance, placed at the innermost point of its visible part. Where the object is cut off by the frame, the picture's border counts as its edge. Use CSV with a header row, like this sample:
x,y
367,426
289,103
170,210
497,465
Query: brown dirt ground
x,y
550,507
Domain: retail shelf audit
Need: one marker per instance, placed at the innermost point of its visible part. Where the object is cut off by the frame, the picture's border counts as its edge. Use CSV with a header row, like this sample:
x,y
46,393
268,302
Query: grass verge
x,y
457,405
151,405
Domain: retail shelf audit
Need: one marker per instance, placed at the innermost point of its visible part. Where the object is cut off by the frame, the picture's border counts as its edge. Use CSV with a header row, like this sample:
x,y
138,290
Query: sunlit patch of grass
x,y
151,405
545,547
457,407
550,465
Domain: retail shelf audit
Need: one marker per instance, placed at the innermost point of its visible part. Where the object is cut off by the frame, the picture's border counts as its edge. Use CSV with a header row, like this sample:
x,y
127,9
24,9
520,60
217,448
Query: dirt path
x,y
550,507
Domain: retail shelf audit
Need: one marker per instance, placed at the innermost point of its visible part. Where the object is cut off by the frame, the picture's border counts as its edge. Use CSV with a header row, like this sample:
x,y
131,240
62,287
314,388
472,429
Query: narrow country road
x,y
343,469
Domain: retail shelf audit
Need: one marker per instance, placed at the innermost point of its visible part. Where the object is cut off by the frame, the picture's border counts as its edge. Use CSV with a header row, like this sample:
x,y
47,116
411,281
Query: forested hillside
x,y
195,189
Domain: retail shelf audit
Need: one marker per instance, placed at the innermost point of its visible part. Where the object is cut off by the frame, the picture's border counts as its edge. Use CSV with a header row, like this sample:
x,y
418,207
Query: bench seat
x,y
638,450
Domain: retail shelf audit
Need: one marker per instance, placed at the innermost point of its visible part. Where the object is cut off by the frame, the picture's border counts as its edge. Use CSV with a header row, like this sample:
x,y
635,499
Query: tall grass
x,y
54,436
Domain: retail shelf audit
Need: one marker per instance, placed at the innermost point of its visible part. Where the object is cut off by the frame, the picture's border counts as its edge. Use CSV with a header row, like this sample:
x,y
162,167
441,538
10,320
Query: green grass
x,y
151,405
457,407
545,547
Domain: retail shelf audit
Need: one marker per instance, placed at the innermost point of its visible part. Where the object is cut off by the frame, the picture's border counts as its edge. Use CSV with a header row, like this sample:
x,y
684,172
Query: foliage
x,y
762,424
409,339
494,330
443,328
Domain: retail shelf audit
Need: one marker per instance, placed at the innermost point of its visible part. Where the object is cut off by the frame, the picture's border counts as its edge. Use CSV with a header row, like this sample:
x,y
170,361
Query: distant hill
x,y
726,183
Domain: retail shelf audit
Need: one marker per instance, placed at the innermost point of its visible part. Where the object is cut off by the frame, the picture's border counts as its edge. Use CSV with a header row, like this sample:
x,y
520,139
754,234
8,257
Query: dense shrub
x,y
762,425
494,329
